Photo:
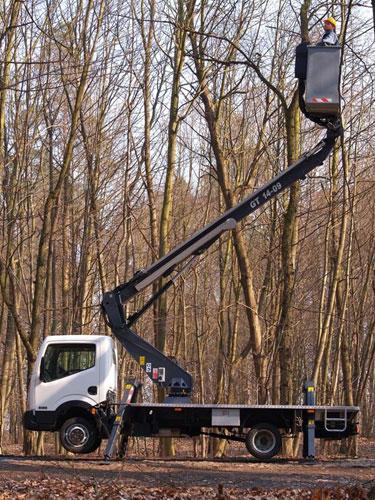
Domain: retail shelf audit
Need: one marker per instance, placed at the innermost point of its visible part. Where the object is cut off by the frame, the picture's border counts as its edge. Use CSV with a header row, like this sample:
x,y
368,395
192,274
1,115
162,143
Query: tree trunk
x,y
166,212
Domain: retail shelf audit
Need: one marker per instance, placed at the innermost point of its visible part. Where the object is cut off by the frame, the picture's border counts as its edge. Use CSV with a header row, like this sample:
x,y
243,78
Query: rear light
x,y
357,428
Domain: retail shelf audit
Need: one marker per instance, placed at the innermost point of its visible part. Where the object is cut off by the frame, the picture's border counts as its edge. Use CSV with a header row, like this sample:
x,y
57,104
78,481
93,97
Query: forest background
x,y
125,127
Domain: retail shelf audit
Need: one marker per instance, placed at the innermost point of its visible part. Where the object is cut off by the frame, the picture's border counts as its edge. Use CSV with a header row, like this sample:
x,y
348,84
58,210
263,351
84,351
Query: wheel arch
x,y
75,409
279,420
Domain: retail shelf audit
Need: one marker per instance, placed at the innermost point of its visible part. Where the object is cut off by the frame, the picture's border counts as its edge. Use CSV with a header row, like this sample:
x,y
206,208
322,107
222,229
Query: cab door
x,y
68,371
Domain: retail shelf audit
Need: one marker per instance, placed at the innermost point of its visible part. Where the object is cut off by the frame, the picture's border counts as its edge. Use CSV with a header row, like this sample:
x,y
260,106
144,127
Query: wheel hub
x,y
264,441
77,435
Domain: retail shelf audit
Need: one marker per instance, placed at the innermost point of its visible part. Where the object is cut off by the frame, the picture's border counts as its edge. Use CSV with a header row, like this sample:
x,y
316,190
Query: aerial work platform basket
x,y
319,67
323,80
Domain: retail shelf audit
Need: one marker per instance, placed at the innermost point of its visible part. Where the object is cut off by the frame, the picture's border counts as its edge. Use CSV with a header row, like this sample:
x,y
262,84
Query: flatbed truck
x,y
73,388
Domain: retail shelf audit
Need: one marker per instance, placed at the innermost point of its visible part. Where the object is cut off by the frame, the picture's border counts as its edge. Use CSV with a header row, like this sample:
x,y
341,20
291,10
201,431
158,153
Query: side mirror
x,y
42,373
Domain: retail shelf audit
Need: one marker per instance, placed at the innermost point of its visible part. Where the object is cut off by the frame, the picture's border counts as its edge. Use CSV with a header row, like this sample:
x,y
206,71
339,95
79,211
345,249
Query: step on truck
x,y
73,388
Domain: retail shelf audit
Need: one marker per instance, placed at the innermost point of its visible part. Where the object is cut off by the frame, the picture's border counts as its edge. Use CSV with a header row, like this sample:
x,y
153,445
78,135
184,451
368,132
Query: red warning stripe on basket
x,y
321,99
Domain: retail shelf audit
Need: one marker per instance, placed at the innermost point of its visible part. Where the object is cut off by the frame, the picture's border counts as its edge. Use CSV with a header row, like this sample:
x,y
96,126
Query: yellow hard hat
x,y
331,20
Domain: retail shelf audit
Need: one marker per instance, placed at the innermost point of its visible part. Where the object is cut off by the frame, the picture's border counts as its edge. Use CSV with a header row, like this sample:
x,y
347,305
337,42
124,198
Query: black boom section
x,y
202,239
162,370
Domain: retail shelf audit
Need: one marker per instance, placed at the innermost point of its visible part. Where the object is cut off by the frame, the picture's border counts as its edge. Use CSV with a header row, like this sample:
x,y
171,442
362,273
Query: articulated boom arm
x,y
159,367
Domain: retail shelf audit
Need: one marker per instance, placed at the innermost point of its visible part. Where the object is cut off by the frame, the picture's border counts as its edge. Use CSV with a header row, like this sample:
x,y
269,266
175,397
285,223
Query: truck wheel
x,y
79,435
263,441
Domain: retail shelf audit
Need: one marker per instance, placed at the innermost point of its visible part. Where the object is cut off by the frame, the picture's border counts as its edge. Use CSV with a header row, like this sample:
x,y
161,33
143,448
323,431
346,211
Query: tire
x,y
263,441
79,435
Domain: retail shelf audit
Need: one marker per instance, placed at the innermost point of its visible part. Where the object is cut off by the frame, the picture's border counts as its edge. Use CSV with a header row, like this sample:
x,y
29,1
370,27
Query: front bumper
x,y
40,420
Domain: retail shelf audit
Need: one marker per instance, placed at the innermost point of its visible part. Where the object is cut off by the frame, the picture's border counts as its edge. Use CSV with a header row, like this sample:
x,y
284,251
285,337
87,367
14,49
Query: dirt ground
x,y
230,477
184,473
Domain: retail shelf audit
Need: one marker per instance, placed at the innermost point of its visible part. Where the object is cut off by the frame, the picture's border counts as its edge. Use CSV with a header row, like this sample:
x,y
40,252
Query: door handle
x,y
93,390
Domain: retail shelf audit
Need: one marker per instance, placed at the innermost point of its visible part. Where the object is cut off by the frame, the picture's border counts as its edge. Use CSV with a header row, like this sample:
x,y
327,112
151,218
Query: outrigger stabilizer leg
x,y
121,430
309,422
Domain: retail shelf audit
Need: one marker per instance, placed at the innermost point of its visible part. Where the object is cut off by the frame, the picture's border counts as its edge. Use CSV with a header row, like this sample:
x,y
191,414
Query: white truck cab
x,y
74,379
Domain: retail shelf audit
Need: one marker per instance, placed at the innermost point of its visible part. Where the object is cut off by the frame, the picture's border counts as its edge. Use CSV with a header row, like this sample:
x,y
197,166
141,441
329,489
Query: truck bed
x,y
270,407
190,419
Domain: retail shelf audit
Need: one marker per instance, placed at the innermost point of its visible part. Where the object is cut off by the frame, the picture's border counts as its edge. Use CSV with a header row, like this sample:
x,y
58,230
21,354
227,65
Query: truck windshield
x,y
62,360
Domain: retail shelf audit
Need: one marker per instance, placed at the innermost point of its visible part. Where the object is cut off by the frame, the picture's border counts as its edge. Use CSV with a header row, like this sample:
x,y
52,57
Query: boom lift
x,y
84,420
159,368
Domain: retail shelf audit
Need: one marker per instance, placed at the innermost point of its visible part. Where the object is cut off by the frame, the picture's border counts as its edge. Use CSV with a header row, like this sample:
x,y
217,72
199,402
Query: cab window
x,y
62,360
